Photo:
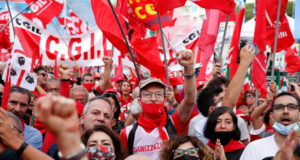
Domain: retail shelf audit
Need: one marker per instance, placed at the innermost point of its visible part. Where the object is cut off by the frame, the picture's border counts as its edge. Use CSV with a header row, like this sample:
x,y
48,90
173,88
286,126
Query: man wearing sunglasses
x,y
42,76
286,116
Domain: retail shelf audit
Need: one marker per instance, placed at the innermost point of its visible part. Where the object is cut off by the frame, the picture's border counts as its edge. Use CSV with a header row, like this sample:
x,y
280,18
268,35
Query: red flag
x,y
259,63
285,38
234,45
227,6
6,88
146,14
74,25
163,6
292,60
107,23
4,40
46,10
208,38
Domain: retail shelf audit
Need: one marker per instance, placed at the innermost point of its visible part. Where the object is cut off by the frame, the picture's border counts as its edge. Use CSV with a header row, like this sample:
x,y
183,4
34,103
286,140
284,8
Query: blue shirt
x,y
33,137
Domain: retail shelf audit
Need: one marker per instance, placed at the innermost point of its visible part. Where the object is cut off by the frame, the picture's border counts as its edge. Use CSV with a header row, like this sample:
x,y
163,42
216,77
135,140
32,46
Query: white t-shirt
x,y
193,122
260,149
199,128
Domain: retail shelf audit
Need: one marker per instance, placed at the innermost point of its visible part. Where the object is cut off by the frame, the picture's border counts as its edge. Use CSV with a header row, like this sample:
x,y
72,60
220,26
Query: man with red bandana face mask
x,y
152,127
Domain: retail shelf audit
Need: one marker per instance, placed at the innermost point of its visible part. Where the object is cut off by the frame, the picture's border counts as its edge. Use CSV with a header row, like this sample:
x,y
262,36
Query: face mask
x,y
89,86
100,153
152,109
224,137
285,130
187,157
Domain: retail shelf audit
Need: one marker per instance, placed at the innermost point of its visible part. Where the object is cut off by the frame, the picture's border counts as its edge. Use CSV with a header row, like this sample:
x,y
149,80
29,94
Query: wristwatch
x,y
74,156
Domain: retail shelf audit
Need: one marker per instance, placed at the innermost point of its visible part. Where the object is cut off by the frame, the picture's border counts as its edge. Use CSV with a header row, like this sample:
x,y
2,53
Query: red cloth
x,y
259,63
232,146
106,21
227,6
150,124
235,41
6,89
292,61
163,6
46,10
125,101
65,88
49,140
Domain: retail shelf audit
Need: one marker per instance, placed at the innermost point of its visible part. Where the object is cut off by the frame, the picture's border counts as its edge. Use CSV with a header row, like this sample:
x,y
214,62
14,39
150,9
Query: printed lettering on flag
x,y
83,50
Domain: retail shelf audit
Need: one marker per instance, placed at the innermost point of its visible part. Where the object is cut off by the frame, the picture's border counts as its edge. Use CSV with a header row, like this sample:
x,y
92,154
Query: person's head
x,y
79,93
222,124
267,118
219,81
18,101
100,137
88,78
88,81
285,112
98,111
152,97
125,88
249,97
42,75
209,97
113,98
16,124
53,86
185,146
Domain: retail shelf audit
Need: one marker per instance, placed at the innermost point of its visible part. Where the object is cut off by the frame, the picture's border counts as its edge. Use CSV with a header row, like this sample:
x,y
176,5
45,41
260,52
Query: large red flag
x,y
107,23
227,6
4,40
292,61
208,39
234,45
285,38
6,88
259,63
46,10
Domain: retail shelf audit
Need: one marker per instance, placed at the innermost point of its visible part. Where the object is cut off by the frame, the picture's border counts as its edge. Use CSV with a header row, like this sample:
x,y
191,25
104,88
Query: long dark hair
x,y
119,151
211,123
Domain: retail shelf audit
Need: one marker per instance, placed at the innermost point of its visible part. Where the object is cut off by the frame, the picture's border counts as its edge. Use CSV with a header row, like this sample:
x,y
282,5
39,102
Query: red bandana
x,y
150,124
233,145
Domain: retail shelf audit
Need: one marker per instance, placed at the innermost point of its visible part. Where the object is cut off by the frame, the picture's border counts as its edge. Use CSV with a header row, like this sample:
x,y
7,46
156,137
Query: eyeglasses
x,y
149,94
290,107
20,131
190,151
44,74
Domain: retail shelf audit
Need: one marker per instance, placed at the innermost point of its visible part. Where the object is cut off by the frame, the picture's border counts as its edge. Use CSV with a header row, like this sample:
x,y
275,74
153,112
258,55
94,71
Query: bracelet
x,y
74,156
21,149
189,76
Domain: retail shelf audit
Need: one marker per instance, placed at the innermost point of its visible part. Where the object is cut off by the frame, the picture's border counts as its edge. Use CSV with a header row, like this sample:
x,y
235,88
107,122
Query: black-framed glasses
x,y
289,106
20,131
190,151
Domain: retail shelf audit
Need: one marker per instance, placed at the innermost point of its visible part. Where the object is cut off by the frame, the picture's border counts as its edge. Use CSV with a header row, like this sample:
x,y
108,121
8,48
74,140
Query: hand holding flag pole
x,y
125,38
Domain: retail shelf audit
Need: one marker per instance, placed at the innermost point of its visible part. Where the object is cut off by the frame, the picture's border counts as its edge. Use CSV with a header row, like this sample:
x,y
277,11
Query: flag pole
x,y
126,40
164,50
223,39
275,38
15,17
10,16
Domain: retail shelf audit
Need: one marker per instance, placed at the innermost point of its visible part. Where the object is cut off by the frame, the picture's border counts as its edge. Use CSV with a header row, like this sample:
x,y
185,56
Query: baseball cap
x,y
148,81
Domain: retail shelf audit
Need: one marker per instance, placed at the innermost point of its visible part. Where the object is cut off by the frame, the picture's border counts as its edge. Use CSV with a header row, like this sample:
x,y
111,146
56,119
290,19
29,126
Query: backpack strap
x,y
131,137
170,128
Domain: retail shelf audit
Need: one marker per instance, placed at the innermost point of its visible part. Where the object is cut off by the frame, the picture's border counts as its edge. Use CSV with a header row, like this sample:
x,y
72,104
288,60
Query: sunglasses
x,y
44,74
190,151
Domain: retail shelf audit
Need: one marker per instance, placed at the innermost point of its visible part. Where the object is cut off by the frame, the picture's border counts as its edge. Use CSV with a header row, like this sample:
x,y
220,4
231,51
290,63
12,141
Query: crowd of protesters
x,y
89,115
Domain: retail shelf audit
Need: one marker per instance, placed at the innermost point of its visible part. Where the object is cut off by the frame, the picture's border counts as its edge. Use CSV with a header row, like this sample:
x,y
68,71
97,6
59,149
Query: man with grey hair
x,y
53,86
98,111
80,94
